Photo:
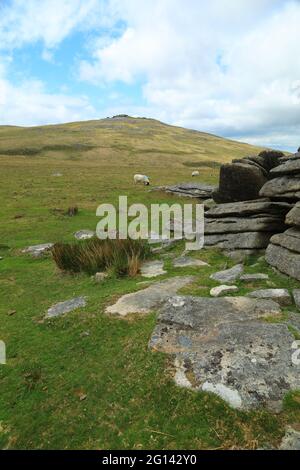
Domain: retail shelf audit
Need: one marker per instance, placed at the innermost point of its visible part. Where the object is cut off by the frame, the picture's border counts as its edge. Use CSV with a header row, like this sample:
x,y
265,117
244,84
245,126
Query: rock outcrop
x,y
246,225
243,179
222,345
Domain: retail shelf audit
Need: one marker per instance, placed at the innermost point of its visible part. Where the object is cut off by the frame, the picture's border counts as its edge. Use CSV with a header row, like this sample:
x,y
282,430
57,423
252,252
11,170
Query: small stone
x,y
296,295
153,269
254,277
229,275
99,277
222,290
38,250
11,313
291,440
280,296
186,262
149,299
65,307
1,258
84,234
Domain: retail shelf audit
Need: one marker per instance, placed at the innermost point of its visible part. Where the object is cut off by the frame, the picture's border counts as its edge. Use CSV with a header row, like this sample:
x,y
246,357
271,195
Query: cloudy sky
x,y
229,67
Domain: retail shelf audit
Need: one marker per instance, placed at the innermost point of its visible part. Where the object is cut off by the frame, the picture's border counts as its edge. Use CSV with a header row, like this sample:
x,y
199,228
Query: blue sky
x,y
229,68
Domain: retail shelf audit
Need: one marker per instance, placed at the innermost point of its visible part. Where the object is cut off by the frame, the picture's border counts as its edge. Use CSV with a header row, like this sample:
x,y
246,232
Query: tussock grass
x,y
123,257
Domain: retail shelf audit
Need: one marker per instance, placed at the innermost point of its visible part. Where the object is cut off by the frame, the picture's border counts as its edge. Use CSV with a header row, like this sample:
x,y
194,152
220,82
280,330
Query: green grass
x,y
130,398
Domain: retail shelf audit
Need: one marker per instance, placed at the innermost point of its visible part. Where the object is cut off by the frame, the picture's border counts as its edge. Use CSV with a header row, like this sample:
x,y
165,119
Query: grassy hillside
x,y
130,401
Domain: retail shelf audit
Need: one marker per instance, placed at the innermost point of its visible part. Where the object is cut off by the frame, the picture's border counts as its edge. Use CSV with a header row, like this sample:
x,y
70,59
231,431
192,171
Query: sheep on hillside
x,y
141,179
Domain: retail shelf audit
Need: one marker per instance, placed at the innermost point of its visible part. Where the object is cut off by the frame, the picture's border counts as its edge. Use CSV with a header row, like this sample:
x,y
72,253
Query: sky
x,y
227,67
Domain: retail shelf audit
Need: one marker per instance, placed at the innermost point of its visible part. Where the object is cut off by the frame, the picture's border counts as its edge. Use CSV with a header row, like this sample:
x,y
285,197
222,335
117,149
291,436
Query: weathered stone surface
x,y
153,268
38,250
229,275
293,217
249,208
239,182
222,290
239,241
291,440
244,224
254,277
227,348
294,321
281,296
269,158
187,261
149,299
84,234
284,260
287,186
290,167
287,241
193,190
296,295
65,307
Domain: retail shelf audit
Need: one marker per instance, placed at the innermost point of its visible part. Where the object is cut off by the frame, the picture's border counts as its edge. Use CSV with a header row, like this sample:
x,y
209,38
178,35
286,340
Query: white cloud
x,y
231,68
30,104
49,21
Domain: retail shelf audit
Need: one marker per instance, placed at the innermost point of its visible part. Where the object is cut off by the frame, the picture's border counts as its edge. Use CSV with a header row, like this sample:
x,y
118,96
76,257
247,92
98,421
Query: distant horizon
x,y
291,150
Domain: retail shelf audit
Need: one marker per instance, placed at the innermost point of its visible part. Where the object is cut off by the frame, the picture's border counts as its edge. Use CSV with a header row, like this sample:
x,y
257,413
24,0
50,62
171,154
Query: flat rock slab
x,y
291,440
65,307
281,296
193,190
84,234
153,269
149,299
223,290
186,262
38,250
224,344
248,208
293,217
285,260
239,241
296,295
254,277
229,275
281,186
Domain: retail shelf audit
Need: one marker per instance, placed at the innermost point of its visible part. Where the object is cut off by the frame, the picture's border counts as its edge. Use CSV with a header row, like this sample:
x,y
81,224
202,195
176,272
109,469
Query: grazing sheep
x,y
195,173
141,179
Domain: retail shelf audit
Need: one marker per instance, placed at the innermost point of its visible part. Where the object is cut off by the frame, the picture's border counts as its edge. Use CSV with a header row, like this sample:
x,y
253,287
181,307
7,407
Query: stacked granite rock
x,y
245,225
201,191
242,179
283,251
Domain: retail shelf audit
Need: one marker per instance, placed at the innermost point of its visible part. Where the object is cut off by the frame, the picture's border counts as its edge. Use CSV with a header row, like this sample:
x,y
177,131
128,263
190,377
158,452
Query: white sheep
x,y
195,173
141,179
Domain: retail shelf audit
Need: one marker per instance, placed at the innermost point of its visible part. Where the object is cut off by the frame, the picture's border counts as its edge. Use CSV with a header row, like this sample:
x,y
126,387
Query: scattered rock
x,y
186,262
57,174
153,269
254,277
147,300
84,234
100,277
227,348
229,275
281,296
241,255
38,250
65,307
291,440
223,290
296,295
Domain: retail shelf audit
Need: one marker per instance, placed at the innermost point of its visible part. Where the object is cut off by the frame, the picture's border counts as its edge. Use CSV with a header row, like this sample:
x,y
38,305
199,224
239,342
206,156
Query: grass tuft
x,y
122,257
